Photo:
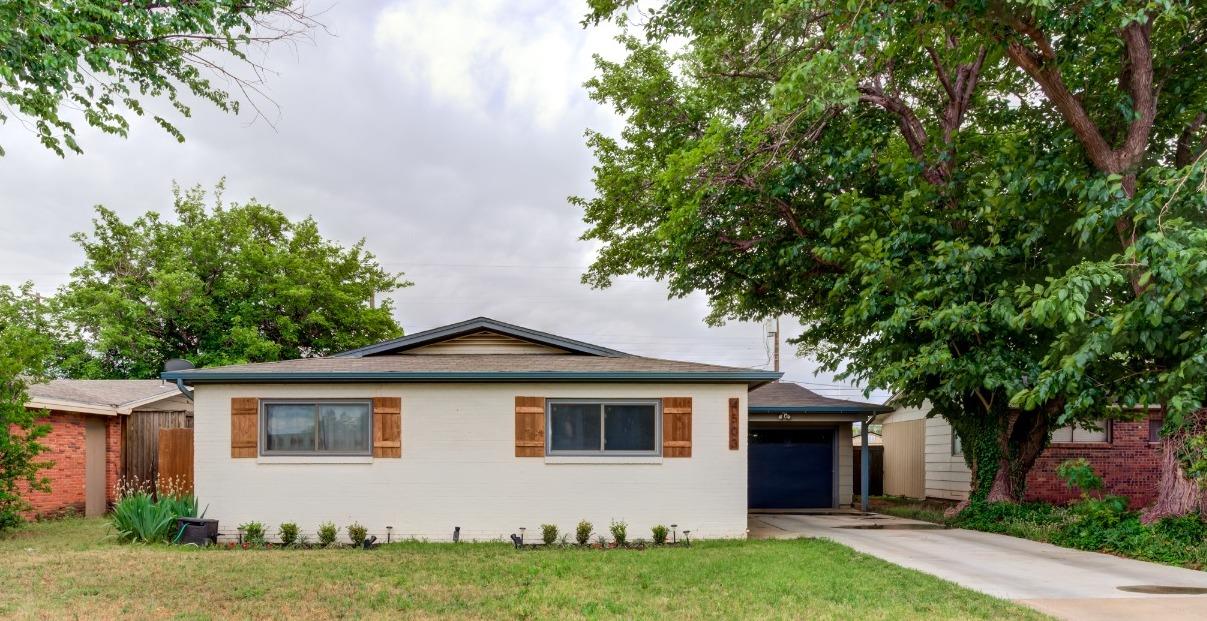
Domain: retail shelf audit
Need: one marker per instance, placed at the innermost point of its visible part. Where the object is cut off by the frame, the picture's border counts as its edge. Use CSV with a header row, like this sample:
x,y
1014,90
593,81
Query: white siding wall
x,y
458,468
947,476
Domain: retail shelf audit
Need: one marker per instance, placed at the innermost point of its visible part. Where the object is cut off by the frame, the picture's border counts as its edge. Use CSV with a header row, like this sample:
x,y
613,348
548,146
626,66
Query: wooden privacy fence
x,y
176,458
904,458
140,443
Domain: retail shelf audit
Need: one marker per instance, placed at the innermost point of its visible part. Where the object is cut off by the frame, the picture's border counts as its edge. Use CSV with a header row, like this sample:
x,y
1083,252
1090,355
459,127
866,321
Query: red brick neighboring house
x,y
1126,454
923,459
85,442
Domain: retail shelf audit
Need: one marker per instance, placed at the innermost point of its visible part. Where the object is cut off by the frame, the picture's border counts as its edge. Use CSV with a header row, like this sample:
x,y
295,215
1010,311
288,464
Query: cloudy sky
x,y
448,134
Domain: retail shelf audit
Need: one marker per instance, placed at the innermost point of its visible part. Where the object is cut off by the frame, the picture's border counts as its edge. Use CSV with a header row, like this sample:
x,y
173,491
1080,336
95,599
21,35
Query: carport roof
x,y
790,397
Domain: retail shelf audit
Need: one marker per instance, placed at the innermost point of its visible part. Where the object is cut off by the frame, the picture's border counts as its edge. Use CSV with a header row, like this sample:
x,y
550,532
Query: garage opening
x,y
791,468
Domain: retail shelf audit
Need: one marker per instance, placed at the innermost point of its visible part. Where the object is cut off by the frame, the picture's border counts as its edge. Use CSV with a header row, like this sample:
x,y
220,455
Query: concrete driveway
x,y
1069,584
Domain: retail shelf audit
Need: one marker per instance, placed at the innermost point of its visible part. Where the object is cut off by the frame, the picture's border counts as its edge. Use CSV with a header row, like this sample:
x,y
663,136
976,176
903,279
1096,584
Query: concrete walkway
x,y
1065,583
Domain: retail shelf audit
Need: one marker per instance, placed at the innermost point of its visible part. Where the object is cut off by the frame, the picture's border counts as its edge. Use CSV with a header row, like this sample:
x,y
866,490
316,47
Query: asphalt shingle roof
x,y
789,395
101,393
471,363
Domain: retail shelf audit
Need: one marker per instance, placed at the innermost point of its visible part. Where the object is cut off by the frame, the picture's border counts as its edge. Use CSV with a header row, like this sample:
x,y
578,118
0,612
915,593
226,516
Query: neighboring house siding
x,y
947,476
845,468
458,468
65,448
1129,465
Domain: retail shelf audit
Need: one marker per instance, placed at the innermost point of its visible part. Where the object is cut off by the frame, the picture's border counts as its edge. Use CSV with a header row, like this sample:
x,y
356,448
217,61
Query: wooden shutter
x,y
245,426
735,423
529,426
387,427
676,426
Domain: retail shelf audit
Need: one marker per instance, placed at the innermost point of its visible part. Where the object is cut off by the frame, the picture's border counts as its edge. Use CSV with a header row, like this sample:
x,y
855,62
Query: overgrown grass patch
x,y
69,568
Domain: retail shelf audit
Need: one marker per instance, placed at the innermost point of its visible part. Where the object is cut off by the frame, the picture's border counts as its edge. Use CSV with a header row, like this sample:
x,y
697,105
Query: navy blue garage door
x,y
791,468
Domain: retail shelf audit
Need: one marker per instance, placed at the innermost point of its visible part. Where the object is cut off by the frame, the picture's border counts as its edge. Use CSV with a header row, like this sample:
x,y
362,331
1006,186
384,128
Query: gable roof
x,y
98,396
478,324
788,397
405,360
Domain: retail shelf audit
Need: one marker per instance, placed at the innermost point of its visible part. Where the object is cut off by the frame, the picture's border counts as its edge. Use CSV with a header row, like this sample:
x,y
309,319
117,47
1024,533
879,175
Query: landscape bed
x,y
68,568
1094,524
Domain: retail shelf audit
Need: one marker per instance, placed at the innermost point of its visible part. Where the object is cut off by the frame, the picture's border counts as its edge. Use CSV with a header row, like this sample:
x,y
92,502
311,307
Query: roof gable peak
x,y
535,340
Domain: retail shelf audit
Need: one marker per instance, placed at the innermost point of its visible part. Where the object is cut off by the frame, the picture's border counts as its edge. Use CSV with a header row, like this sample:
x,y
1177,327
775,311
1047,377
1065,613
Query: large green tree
x,y
100,61
25,351
910,179
228,284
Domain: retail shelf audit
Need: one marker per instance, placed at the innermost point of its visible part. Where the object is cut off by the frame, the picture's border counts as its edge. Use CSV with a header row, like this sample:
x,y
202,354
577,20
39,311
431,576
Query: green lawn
x,y
68,568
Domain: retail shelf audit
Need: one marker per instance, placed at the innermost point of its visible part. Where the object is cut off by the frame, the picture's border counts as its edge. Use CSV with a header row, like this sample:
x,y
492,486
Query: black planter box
x,y
197,531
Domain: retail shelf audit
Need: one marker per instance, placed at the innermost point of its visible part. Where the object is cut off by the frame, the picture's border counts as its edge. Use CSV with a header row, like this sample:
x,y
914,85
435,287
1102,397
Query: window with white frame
x,y
603,427
316,428
1072,434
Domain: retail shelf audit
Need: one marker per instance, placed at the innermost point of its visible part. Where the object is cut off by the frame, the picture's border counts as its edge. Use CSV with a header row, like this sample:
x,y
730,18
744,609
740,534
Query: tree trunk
x,y
1177,494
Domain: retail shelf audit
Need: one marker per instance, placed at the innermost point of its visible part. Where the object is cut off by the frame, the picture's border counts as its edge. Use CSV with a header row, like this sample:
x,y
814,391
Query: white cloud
x,y
522,58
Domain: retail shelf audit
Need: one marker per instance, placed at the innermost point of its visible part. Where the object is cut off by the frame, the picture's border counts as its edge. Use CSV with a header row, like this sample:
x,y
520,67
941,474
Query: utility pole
x,y
776,334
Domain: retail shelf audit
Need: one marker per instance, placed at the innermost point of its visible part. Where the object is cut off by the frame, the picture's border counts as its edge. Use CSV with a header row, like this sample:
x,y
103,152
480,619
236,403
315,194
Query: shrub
x,y
1078,474
582,533
357,533
549,534
288,533
253,532
137,517
659,534
327,533
619,532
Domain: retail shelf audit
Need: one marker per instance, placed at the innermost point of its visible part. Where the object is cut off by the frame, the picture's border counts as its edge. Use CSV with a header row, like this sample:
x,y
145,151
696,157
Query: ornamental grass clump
x,y
582,533
148,514
549,534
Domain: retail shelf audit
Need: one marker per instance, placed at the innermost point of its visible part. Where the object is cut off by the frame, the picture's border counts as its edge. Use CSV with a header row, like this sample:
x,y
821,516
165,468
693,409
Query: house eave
x,y
818,409
683,377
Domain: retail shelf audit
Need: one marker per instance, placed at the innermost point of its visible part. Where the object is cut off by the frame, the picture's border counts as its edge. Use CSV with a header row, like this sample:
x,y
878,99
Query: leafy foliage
x,y
549,534
659,533
253,532
619,531
142,516
582,532
105,59
288,533
915,182
1079,474
235,283
357,533
328,531
25,352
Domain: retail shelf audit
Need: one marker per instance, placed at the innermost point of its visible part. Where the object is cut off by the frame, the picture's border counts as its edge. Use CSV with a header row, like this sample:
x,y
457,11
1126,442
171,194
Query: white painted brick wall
x,y
458,468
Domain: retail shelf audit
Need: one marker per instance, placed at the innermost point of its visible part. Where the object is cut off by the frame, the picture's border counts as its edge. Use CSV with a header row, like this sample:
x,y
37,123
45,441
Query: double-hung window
x,y
1073,434
603,427
316,428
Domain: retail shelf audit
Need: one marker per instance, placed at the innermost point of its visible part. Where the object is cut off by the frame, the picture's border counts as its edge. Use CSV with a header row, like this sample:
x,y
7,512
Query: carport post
x,y
865,461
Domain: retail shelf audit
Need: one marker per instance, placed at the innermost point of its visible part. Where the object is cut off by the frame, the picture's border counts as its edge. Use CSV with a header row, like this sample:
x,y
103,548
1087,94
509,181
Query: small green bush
x,y
288,533
357,533
659,533
253,532
1078,474
327,533
582,533
549,534
620,532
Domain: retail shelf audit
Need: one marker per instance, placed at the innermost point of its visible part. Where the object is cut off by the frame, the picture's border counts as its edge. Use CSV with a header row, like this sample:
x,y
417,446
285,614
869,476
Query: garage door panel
x,y
791,468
